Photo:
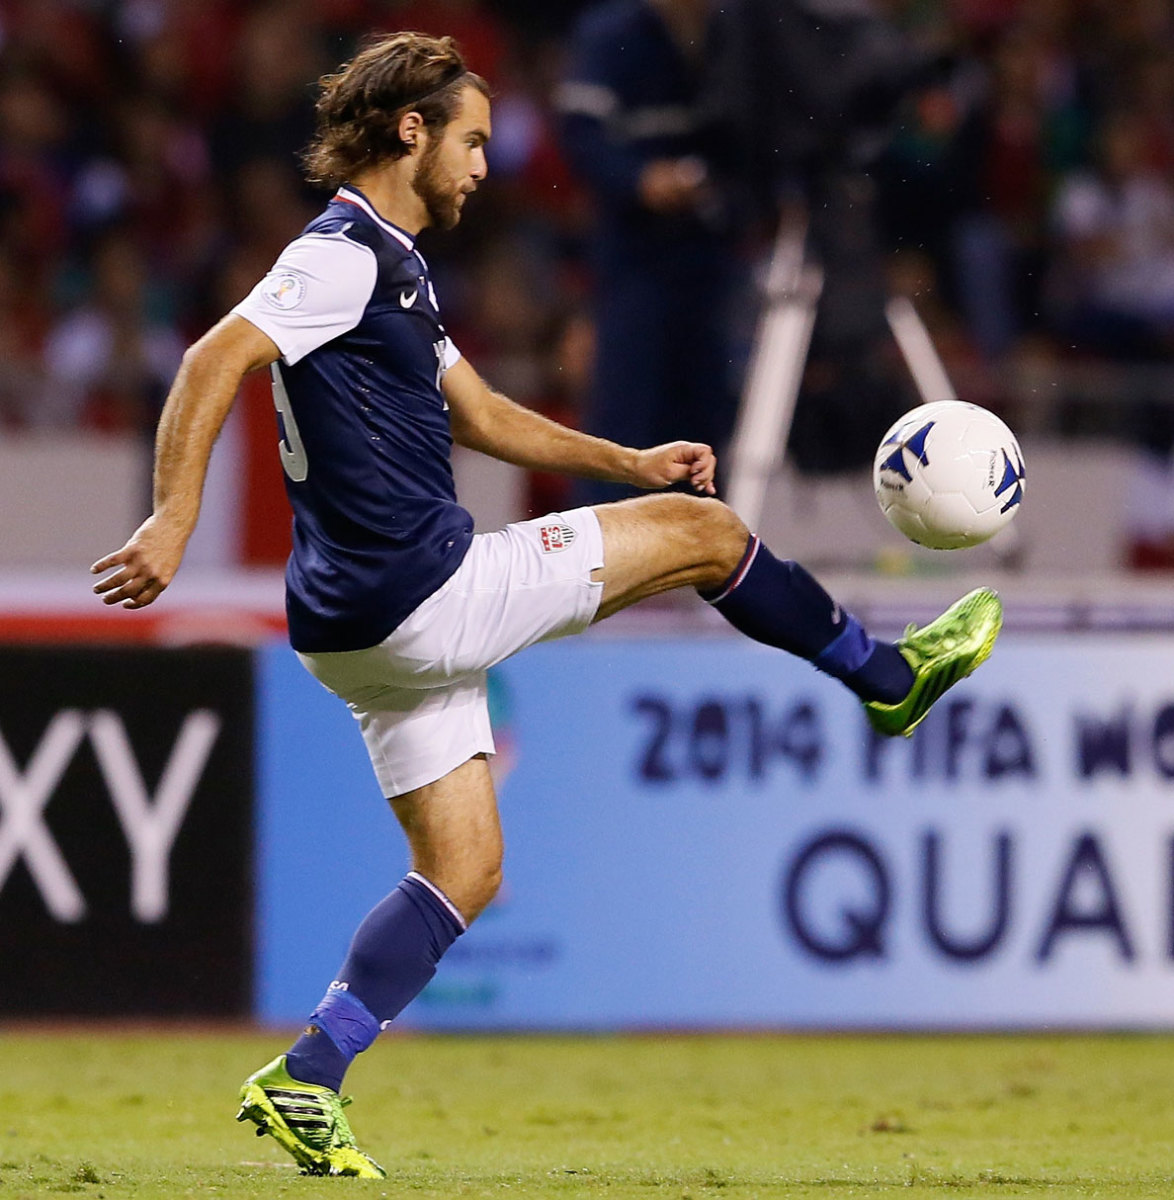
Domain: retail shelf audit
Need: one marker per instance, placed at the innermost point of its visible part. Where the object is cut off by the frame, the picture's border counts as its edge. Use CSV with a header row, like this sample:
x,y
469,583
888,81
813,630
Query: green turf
x,y
118,1115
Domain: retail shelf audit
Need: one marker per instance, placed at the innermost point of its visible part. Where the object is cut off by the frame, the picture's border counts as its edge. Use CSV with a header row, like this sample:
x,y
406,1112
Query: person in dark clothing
x,y
665,262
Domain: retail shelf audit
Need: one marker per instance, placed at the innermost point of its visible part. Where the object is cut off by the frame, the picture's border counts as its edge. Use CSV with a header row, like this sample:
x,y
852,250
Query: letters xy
x,y
150,823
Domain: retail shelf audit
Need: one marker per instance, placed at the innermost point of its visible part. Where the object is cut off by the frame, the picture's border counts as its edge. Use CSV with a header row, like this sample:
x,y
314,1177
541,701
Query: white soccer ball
x,y
949,475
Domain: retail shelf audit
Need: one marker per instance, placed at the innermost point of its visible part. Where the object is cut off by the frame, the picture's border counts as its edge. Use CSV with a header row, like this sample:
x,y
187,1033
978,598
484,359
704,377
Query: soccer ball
x,y
949,475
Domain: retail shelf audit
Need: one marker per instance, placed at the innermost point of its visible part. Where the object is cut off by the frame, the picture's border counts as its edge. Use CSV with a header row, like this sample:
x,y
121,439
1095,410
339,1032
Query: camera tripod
x,y
791,294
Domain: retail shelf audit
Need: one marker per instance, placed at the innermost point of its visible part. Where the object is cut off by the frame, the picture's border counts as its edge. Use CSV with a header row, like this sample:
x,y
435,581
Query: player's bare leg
x,y
453,830
653,544
454,834
657,543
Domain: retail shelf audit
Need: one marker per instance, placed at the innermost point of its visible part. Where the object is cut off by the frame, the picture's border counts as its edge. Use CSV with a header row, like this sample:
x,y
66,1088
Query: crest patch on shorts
x,y
555,538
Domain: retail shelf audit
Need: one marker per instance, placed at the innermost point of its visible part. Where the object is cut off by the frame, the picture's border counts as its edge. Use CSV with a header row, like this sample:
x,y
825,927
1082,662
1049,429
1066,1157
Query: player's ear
x,y
411,131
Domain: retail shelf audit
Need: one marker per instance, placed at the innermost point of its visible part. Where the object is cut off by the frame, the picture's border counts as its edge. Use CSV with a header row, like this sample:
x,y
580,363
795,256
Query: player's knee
x,y
478,890
704,516
715,530
728,532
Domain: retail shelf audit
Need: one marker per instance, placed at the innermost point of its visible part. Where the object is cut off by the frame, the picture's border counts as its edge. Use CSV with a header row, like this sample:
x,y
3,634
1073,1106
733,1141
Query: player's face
x,y
453,162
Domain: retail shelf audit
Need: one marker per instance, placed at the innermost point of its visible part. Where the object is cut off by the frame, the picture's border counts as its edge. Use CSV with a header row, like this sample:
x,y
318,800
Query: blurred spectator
x,y
534,187
270,206
1116,231
270,111
110,361
1010,150
156,175
180,51
480,35
1114,282
1153,102
23,325
568,377
35,129
663,258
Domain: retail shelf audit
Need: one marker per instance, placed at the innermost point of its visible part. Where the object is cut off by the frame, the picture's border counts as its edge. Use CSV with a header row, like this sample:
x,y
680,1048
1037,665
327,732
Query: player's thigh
x,y
656,543
454,832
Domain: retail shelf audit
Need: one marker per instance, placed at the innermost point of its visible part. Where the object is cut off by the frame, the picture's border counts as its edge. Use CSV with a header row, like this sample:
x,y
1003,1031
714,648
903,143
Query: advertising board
x,y
707,834
126,788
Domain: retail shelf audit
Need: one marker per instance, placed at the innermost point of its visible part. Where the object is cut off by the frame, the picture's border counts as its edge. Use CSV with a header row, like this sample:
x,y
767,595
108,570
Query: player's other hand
x,y
673,462
143,567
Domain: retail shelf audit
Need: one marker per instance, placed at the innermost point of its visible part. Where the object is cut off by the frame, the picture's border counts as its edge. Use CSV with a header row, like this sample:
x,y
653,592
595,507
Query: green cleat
x,y
942,653
306,1119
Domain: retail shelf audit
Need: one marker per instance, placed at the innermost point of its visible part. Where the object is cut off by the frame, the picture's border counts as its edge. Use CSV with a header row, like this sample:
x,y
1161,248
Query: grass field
x,y
115,1114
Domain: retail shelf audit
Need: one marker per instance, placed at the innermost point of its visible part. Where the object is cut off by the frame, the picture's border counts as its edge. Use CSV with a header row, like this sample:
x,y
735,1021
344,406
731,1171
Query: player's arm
x,y
197,405
485,420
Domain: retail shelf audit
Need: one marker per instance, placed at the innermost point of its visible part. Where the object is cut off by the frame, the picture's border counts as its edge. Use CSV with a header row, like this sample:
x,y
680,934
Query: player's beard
x,y
440,195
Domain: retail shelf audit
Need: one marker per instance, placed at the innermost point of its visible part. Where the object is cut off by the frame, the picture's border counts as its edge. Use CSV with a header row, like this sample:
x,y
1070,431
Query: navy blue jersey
x,y
364,428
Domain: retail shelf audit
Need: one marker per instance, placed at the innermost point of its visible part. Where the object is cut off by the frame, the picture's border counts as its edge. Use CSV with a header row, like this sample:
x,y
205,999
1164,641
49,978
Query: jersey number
x,y
439,347
293,453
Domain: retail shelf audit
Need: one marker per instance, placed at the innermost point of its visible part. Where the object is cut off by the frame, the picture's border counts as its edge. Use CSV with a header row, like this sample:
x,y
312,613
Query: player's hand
x,y
673,462
143,567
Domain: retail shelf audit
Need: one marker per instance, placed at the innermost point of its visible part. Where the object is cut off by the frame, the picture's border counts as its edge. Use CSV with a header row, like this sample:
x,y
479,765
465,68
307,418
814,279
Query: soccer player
x,y
393,603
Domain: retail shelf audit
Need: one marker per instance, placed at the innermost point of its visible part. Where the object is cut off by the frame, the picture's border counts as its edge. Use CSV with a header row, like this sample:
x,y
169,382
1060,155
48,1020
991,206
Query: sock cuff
x,y
345,1020
847,652
424,889
753,545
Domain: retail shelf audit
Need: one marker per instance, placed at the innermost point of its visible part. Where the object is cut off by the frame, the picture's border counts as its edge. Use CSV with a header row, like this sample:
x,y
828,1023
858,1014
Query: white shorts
x,y
420,696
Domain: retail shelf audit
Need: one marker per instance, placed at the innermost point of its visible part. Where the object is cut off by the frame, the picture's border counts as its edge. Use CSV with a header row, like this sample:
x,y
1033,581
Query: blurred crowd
x,y
149,175
1036,181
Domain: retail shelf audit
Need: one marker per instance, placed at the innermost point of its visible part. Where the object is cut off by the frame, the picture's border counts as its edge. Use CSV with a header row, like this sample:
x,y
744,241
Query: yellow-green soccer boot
x,y
942,653
307,1120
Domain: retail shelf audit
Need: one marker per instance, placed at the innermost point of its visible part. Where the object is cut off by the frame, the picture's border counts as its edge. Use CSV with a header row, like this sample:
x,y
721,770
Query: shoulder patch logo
x,y
555,538
284,289
407,299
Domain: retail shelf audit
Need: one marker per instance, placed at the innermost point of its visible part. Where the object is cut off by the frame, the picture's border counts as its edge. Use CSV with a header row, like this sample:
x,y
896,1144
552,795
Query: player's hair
x,y
360,106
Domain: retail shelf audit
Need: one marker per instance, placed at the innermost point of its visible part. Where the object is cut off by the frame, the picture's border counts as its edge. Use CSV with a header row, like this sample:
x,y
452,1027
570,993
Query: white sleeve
x,y
452,355
317,290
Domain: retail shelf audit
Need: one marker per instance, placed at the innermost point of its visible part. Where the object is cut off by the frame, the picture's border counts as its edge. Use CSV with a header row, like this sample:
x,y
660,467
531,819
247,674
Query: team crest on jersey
x,y
555,538
284,289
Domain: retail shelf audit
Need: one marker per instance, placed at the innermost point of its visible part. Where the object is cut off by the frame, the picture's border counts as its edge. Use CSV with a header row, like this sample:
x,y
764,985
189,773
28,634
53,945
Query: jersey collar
x,y
349,194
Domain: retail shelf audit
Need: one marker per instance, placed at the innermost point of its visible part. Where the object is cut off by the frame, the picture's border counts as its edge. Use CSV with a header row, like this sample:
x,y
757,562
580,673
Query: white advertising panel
x,y
706,833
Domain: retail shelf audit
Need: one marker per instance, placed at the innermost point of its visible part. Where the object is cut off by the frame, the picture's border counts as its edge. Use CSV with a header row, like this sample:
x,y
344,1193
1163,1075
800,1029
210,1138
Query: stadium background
x,y
1013,866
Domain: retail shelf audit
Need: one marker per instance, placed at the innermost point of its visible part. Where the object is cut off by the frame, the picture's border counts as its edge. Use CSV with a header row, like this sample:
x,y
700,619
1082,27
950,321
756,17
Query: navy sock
x,y
392,956
780,604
